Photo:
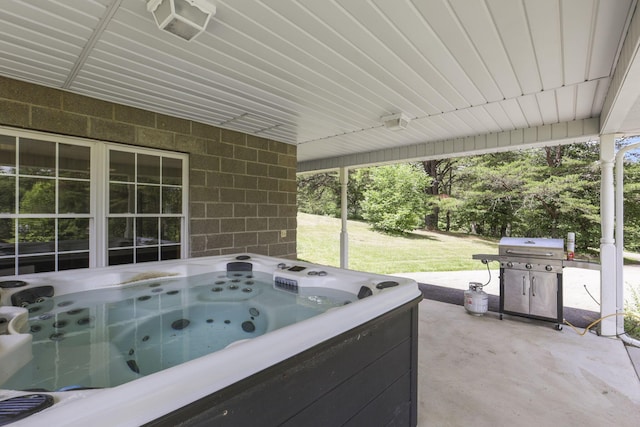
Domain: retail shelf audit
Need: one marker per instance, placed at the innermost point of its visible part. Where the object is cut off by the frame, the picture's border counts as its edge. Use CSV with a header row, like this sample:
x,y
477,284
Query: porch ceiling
x,y
320,74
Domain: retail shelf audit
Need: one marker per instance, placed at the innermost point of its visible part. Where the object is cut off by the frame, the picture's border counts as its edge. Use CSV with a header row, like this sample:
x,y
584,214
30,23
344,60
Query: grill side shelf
x,y
589,265
488,257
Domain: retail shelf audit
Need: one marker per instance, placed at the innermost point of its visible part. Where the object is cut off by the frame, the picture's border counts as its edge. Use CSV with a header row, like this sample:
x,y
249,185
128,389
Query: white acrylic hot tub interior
x,y
146,394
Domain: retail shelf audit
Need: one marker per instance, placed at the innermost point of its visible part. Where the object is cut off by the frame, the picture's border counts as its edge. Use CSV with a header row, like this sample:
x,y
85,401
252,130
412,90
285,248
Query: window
x,y
145,207
57,213
45,205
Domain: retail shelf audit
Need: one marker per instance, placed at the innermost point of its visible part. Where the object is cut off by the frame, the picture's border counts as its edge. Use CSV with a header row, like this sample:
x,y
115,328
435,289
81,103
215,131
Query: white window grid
x,y
98,215
163,155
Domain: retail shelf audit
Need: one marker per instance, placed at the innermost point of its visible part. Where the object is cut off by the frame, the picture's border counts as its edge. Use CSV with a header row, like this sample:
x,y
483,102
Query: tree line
x,y
542,192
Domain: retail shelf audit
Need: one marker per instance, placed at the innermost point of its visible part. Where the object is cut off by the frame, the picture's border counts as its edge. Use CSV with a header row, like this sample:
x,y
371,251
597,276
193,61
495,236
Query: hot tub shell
x,y
355,365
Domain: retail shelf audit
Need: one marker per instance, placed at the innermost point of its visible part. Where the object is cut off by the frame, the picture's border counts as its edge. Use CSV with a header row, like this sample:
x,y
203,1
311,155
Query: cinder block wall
x,y
242,189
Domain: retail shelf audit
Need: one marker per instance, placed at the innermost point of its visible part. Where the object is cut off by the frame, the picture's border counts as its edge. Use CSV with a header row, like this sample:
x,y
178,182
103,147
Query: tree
x,y
631,198
319,194
539,193
564,195
37,196
7,206
441,174
432,216
359,181
395,201
489,192
543,192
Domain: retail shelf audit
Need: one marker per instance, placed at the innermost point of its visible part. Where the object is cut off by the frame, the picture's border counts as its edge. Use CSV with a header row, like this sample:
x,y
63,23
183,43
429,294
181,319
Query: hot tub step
x,y
20,407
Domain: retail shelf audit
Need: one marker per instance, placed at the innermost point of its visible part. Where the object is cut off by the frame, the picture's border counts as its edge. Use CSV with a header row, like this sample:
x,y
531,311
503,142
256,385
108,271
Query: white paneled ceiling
x,y
321,73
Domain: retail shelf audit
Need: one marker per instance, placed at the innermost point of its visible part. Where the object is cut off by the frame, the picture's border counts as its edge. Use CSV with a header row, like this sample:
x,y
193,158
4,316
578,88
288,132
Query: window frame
x,y
99,179
184,197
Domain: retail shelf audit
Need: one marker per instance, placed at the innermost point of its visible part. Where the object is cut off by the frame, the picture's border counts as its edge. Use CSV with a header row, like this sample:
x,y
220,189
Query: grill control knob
x,y
528,266
509,264
548,268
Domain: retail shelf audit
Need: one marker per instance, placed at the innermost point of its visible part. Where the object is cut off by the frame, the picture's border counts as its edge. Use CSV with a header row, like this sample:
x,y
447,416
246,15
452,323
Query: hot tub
x,y
228,340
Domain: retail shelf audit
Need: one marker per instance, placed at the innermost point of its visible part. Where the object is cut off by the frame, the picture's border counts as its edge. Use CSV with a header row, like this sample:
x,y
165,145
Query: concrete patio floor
x,y
581,287
481,371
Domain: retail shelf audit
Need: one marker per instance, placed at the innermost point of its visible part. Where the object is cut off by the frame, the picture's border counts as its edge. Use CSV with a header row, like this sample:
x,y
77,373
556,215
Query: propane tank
x,y
571,245
476,301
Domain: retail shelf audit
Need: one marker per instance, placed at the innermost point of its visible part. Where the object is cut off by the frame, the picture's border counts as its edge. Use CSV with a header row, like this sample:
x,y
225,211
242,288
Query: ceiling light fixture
x,y
397,121
184,18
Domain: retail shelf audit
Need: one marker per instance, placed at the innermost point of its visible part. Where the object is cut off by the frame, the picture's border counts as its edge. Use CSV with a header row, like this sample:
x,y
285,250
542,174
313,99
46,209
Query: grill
x,y
531,253
530,277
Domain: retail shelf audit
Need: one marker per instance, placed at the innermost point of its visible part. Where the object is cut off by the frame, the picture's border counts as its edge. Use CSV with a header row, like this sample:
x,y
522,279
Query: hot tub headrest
x,y
239,266
32,295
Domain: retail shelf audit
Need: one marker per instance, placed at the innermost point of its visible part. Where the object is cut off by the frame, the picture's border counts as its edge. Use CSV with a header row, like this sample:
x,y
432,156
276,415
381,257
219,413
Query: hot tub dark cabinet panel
x,y
364,377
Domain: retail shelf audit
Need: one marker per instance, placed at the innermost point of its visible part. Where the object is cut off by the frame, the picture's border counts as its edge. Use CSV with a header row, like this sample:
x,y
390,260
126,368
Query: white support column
x,y
607,242
344,236
619,236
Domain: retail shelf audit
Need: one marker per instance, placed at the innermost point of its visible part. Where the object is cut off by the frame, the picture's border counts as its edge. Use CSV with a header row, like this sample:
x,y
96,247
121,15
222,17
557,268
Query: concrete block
x,y
233,166
244,153
233,137
257,142
244,210
245,182
57,121
218,241
14,113
173,124
278,172
219,210
135,116
232,195
155,138
107,130
84,105
28,93
232,225
205,131
245,239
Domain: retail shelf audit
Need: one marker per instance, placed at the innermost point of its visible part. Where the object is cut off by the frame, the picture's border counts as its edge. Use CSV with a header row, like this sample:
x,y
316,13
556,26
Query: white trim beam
x,y
555,134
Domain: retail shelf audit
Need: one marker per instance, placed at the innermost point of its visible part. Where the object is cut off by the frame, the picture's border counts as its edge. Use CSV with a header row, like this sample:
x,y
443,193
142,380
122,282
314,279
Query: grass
x,y
376,252
632,315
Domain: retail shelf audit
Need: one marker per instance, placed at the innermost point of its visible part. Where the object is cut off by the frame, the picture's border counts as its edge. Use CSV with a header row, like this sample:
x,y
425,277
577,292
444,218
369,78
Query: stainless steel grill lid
x,y
531,247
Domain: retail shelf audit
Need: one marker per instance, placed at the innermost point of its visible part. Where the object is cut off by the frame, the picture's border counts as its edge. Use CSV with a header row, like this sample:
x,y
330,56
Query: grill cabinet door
x,y
544,294
516,291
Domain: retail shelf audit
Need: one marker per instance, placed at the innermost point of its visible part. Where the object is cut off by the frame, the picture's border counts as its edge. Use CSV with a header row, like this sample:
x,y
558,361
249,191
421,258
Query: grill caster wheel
x,y
558,327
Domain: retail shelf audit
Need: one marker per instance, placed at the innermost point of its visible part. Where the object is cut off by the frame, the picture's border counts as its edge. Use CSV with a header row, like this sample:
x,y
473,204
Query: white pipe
x,y
619,237
344,236
628,340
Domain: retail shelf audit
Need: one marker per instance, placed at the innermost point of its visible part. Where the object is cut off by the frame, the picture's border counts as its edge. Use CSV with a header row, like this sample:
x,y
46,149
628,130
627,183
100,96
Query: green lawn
x,y
372,251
